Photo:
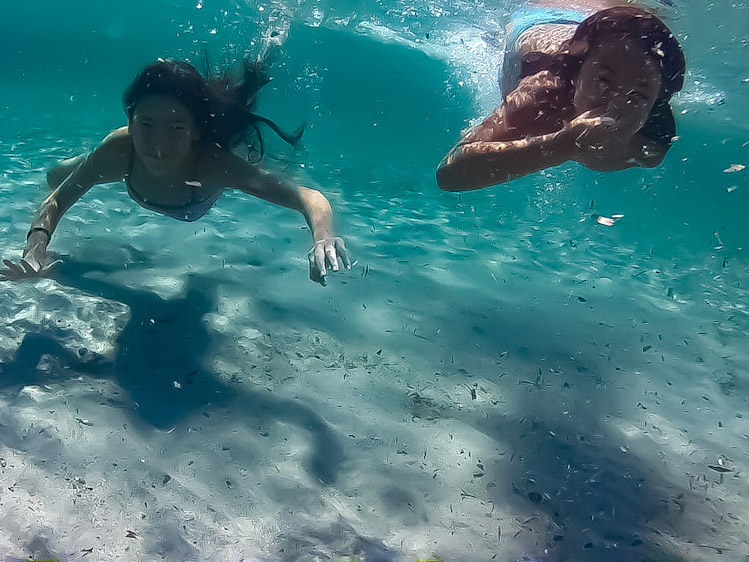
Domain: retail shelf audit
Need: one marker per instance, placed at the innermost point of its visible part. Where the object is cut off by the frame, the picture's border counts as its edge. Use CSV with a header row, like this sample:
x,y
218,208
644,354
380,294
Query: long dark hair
x,y
223,105
650,33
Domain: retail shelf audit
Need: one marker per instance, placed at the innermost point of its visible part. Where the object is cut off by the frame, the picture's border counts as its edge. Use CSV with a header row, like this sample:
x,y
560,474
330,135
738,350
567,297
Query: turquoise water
x,y
499,375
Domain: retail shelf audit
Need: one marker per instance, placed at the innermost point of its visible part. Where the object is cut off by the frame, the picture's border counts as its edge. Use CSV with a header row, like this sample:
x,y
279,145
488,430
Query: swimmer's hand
x,y
36,261
591,127
325,255
596,140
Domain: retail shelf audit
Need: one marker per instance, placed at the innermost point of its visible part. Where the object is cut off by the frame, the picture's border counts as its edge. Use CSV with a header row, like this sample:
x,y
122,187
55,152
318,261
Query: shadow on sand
x,y
166,341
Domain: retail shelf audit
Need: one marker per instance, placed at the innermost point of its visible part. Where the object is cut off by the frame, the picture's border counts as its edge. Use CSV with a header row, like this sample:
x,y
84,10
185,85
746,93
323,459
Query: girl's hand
x,y
325,254
36,261
596,140
590,128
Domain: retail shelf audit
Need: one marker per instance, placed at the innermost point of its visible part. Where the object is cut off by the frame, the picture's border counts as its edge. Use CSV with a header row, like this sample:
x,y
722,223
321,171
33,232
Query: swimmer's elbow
x,y
461,178
444,181
449,178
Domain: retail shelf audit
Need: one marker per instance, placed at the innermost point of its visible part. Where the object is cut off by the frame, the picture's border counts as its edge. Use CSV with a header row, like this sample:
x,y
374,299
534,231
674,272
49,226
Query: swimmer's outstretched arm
x,y
104,164
588,139
522,136
328,249
535,128
484,163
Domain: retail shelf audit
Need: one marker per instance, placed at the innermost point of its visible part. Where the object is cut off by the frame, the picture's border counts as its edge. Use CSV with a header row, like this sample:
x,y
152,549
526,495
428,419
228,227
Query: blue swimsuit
x,y
188,212
531,16
522,21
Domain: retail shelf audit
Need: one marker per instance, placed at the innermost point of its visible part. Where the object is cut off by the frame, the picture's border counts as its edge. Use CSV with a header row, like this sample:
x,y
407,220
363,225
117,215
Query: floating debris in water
x,y
734,168
607,221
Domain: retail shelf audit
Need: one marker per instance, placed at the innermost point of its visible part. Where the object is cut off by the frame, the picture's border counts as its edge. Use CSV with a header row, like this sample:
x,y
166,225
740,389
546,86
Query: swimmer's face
x,y
618,80
164,132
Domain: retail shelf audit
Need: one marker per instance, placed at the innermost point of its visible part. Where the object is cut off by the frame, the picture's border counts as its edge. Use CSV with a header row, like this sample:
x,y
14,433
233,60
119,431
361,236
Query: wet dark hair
x,y
223,106
650,33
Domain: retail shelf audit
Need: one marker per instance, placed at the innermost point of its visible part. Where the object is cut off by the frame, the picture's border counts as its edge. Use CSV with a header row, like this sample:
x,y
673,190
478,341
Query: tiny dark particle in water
x,y
166,479
582,299
646,348
535,497
720,469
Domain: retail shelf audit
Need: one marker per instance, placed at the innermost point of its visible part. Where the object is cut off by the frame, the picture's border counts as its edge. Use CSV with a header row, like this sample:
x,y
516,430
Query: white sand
x,y
183,409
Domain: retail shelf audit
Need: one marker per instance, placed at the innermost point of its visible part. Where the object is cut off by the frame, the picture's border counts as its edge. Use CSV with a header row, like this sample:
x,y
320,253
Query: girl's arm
x,y
481,164
496,151
518,138
106,163
312,204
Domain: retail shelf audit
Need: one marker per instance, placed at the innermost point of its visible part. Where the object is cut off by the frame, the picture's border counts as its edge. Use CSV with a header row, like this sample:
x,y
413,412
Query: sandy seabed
x,y
204,401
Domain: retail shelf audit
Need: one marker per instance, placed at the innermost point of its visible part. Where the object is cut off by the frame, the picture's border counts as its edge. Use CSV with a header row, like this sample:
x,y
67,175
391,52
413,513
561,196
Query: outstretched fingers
x,y
331,256
316,271
340,247
324,256
12,272
25,269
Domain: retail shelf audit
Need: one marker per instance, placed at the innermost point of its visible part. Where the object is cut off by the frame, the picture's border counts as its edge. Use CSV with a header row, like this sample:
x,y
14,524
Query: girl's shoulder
x,y
540,104
111,159
117,143
547,39
117,134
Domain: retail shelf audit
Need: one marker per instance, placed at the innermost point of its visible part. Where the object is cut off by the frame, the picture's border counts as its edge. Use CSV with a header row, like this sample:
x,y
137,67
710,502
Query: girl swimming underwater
x,y
176,157
588,81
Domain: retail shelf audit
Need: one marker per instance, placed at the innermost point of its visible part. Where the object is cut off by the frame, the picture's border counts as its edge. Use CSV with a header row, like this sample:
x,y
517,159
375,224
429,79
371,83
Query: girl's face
x,y
164,132
618,80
